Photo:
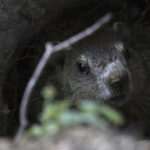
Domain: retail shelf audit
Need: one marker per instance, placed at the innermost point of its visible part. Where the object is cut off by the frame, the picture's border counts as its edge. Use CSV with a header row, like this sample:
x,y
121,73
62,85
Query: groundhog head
x,y
98,68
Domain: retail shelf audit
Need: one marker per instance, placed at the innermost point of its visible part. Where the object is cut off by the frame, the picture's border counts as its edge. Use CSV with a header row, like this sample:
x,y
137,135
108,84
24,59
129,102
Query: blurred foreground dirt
x,y
79,139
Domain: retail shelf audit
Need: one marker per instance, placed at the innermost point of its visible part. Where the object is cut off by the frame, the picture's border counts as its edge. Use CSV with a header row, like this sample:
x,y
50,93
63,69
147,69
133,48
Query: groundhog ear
x,y
122,31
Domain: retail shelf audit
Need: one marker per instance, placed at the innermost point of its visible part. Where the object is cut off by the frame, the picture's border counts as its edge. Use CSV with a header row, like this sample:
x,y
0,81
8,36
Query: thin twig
x,y
48,51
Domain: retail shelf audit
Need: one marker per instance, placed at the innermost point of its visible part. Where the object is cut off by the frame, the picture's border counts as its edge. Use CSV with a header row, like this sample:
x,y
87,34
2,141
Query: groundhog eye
x,y
83,68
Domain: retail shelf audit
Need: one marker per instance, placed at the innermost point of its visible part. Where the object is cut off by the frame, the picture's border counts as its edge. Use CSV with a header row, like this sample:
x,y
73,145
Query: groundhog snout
x,y
119,84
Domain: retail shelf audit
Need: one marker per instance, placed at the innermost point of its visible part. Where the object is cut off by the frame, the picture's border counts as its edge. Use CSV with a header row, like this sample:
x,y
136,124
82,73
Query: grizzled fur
x,y
112,66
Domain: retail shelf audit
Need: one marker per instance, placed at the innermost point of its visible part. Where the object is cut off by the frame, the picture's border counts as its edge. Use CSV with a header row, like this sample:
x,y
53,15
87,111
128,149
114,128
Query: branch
x,y
49,48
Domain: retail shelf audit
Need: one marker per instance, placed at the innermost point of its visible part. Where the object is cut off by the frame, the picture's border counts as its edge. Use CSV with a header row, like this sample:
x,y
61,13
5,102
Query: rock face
x,y
19,22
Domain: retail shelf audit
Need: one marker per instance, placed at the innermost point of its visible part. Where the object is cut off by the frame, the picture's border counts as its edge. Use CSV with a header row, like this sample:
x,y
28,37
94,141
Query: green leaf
x,y
70,118
89,107
52,110
50,127
34,131
48,93
94,120
113,115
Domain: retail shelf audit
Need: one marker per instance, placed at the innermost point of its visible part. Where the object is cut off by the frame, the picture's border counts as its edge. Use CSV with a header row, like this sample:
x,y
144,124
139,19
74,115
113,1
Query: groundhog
x,y
111,66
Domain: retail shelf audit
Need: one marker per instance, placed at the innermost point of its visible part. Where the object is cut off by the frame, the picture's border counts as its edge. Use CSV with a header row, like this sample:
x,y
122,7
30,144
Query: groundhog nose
x,y
120,84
